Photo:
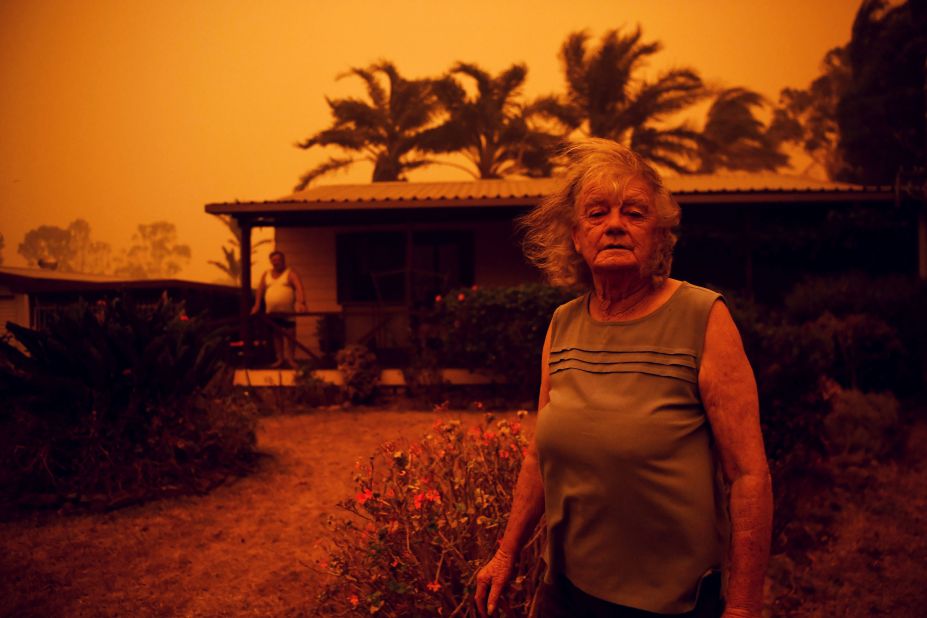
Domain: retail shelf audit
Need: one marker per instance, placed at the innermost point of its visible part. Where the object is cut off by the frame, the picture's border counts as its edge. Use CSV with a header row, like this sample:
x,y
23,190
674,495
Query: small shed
x,y
29,295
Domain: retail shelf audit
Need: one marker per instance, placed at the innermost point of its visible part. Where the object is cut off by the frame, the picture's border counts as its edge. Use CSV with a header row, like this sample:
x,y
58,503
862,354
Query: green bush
x,y
115,407
499,331
358,367
425,517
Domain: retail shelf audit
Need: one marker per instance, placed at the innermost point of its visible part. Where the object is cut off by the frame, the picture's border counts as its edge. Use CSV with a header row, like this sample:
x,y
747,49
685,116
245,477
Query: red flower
x,y
438,298
461,297
362,496
354,600
504,454
434,586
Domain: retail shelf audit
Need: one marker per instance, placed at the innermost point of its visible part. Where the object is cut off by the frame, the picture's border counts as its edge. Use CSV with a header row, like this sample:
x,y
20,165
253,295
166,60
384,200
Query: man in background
x,y
281,292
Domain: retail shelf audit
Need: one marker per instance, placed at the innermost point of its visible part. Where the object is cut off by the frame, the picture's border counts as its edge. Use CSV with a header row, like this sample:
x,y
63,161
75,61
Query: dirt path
x,y
246,549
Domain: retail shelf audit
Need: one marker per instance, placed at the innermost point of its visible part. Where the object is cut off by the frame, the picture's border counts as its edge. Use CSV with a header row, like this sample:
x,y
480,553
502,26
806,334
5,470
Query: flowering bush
x,y
425,517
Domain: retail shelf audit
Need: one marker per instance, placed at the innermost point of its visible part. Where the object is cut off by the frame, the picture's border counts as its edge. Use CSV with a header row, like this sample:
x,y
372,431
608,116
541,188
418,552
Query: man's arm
x,y
297,284
729,395
527,508
258,296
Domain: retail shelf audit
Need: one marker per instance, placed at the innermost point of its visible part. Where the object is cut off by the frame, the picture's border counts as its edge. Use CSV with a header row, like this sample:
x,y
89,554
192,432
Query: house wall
x,y
311,253
14,307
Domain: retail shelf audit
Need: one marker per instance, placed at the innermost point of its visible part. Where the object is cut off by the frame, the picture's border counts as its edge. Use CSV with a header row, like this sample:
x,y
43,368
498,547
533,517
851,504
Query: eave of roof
x,y
691,189
38,280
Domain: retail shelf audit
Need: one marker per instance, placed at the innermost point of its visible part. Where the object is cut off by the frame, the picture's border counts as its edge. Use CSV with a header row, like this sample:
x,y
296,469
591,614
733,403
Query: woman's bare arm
x,y
527,508
729,395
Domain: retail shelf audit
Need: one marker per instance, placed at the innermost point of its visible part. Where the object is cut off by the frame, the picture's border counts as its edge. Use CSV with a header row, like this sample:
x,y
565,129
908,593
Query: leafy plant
x,y
114,404
425,517
358,367
499,331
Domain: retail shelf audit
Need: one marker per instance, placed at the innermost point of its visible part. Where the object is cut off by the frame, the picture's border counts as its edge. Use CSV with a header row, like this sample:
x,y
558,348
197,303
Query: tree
x,y
863,120
491,128
87,255
154,252
881,112
49,245
66,250
605,97
809,117
231,264
384,131
733,138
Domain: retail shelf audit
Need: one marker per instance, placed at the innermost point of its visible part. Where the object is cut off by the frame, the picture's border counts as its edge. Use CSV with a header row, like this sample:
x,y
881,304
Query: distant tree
x,y
231,264
734,138
492,128
66,250
48,244
384,131
606,97
87,255
154,253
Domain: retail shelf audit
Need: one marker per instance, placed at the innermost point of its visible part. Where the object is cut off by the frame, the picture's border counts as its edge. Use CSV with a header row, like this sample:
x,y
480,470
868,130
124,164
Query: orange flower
x,y
354,600
434,586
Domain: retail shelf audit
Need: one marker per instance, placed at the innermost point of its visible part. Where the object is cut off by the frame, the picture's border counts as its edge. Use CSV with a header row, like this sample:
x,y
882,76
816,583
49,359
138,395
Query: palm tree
x,y
384,131
231,265
733,138
491,128
606,98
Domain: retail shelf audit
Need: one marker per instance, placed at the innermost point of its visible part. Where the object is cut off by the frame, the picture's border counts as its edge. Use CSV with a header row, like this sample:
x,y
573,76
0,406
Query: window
x,y
372,265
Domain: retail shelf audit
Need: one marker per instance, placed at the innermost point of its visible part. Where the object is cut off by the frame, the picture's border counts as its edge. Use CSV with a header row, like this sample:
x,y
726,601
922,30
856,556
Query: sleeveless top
x,y
633,499
279,295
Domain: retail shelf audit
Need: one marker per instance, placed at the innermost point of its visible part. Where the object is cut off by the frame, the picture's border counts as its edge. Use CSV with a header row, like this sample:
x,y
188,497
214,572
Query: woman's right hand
x,y
492,579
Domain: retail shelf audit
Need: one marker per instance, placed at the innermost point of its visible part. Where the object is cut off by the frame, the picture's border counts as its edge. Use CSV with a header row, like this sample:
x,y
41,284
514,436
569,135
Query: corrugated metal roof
x,y
533,188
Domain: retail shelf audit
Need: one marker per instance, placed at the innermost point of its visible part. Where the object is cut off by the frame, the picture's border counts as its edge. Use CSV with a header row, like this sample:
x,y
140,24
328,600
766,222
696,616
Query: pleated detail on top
x,y
679,363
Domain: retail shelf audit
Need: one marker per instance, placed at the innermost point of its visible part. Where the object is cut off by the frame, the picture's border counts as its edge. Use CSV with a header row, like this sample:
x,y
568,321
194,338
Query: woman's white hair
x,y
548,228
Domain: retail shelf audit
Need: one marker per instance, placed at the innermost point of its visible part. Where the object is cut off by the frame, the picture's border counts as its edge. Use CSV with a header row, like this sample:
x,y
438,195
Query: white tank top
x,y
279,294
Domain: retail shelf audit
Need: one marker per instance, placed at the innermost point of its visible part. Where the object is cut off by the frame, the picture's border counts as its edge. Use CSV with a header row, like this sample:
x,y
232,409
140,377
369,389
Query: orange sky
x,y
130,112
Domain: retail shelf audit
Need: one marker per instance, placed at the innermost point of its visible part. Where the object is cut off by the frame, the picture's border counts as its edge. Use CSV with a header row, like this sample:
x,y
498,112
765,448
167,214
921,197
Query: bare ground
x,y
246,549
249,547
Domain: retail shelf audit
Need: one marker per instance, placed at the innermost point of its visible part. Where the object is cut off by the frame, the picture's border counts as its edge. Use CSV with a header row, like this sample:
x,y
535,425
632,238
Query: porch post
x,y
245,291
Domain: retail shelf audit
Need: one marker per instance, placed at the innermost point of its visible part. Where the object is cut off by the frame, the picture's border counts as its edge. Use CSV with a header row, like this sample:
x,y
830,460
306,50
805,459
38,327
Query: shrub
x,y
499,331
426,516
313,391
861,425
116,407
358,367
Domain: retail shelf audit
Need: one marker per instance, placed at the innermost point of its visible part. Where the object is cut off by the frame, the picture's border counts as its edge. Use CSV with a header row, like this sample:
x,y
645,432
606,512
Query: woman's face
x,y
615,229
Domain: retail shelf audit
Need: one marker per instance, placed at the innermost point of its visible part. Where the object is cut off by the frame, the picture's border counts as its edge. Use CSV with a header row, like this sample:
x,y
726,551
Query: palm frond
x,y
332,165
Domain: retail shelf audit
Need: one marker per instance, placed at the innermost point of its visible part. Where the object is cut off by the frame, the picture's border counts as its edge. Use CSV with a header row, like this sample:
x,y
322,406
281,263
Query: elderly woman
x,y
648,460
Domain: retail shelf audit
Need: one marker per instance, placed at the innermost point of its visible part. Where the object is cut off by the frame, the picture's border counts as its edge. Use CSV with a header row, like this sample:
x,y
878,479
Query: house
x,y
29,295
373,253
